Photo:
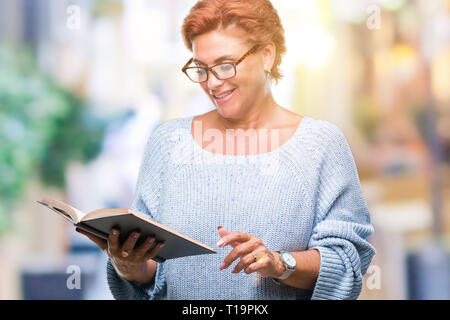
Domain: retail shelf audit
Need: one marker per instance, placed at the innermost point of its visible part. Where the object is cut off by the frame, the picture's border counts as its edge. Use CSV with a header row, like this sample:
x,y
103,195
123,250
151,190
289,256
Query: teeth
x,y
224,95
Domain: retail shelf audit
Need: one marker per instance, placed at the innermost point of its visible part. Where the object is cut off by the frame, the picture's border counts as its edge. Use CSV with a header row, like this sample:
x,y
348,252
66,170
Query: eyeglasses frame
x,y
234,63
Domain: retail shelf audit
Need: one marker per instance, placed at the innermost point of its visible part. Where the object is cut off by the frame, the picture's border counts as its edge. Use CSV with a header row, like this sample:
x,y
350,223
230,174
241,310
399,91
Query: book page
x,y
102,213
63,208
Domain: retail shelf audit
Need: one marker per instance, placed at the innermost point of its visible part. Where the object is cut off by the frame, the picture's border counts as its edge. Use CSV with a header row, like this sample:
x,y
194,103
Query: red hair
x,y
257,17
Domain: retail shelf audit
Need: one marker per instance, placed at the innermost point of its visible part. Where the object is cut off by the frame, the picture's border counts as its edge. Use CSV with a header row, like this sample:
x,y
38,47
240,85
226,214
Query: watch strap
x,y
288,270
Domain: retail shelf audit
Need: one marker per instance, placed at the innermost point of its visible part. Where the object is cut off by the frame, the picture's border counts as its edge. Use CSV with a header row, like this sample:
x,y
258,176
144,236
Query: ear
x,y
268,55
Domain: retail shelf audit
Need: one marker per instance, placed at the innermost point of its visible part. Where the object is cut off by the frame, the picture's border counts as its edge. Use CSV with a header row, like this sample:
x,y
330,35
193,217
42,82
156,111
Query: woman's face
x,y
248,88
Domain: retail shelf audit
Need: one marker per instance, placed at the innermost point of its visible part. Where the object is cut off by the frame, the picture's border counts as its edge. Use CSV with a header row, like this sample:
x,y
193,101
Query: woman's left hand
x,y
254,255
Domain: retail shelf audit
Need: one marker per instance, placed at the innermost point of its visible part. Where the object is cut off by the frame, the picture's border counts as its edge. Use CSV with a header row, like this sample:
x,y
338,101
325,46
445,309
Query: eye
x,y
200,71
226,67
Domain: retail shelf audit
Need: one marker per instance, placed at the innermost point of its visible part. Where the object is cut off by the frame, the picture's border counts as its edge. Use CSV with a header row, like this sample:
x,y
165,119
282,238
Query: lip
x,y
225,99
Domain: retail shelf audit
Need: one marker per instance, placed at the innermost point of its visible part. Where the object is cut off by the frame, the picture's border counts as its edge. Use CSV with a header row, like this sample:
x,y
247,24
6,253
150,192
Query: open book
x,y
100,222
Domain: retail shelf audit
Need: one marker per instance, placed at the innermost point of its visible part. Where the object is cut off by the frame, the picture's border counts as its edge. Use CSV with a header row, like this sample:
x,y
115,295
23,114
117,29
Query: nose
x,y
213,83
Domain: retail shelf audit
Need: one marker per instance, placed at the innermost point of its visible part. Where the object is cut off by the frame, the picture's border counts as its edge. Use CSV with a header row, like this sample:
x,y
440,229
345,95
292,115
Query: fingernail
x,y
124,254
220,243
135,235
219,227
222,266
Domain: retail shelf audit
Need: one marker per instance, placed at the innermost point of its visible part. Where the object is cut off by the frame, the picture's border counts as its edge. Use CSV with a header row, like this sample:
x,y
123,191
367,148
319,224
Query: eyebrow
x,y
225,57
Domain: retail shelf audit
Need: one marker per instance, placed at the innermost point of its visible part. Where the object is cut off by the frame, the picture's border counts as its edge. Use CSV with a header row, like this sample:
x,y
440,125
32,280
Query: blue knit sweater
x,y
304,194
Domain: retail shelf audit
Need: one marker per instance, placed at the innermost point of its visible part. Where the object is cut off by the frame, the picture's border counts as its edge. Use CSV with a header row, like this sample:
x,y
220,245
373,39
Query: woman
x,y
297,230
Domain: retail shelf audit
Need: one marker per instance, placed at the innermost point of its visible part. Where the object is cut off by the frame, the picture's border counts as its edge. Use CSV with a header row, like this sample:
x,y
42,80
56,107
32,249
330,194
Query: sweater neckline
x,y
285,145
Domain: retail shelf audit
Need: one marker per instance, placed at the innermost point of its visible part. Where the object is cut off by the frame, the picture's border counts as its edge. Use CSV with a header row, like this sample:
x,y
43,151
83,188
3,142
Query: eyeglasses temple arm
x,y
247,54
187,64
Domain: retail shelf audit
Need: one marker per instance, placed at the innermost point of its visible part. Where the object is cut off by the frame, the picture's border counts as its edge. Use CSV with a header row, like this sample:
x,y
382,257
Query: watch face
x,y
289,259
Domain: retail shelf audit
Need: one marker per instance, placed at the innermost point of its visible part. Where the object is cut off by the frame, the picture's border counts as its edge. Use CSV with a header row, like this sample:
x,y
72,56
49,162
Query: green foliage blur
x,y
42,128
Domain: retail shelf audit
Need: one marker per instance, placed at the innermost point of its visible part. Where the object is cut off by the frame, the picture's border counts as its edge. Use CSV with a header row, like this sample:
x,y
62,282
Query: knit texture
x,y
304,194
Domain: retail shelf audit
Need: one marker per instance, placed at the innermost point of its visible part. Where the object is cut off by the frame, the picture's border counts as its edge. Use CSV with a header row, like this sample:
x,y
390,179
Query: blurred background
x,y
84,82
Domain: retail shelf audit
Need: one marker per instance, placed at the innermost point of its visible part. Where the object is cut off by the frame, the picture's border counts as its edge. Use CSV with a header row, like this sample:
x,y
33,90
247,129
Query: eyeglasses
x,y
221,71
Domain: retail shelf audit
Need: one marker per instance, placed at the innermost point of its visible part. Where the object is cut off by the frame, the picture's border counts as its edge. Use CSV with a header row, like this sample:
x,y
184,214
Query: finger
x,y
97,240
224,232
262,261
240,251
129,244
255,260
143,248
233,236
113,241
244,262
154,252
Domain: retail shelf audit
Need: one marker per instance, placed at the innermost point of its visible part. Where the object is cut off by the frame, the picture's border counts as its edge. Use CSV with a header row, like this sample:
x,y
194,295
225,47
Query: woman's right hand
x,y
129,262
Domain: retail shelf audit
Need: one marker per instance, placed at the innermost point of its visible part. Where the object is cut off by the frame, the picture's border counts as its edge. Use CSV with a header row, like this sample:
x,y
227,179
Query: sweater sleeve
x,y
148,187
342,224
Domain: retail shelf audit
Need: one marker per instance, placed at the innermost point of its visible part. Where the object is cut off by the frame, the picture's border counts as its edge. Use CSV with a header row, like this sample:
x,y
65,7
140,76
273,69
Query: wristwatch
x,y
289,262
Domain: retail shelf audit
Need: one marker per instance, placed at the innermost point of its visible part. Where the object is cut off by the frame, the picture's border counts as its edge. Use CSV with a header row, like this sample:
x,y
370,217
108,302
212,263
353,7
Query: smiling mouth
x,y
224,97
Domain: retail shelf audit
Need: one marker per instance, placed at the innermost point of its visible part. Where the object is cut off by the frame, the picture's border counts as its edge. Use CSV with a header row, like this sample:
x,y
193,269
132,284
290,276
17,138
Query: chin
x,y
229,111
